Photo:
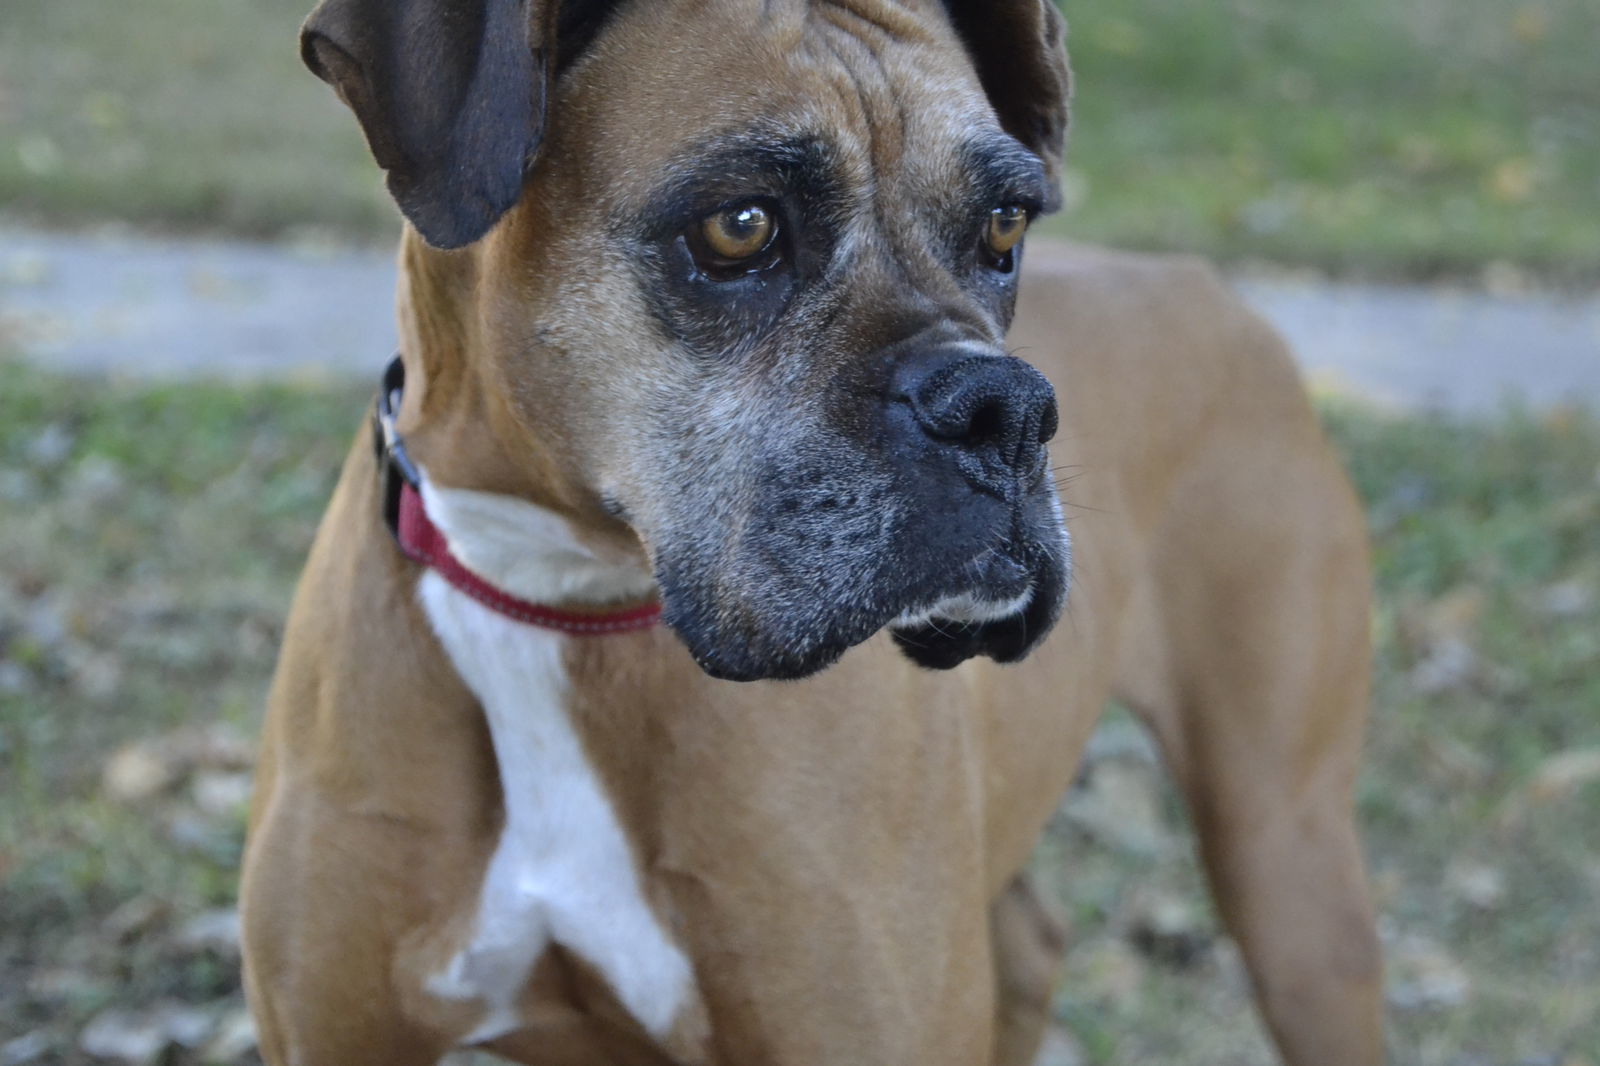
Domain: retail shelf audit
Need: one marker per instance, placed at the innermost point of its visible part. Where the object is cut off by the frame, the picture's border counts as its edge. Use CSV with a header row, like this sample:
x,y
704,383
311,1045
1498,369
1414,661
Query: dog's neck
x,y
435,303
527,551
493,488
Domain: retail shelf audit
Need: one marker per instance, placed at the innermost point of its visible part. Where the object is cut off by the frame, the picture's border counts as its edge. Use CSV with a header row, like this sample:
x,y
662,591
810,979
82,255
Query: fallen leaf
x,y
235,1038
1422,975
1170,930
26,1048
1449,665
220,793
61,984
1119,804
1567,599
216,931
1060,1048
1478,885
137,772
134,918
138,1037
1561,775
1513,180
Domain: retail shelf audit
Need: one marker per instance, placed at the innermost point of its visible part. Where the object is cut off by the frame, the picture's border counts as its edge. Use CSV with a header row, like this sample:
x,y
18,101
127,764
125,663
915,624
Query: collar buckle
x,y
389,447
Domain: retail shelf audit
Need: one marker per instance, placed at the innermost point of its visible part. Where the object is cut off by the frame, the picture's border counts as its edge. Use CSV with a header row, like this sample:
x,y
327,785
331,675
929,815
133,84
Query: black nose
x,y
980,401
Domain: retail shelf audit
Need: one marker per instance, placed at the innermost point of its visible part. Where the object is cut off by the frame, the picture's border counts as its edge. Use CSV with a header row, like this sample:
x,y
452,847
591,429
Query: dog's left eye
x,y
1007,225
735,240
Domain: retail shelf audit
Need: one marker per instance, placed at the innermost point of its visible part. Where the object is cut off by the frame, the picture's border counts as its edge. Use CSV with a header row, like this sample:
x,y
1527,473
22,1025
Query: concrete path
x,y
136,306
144,307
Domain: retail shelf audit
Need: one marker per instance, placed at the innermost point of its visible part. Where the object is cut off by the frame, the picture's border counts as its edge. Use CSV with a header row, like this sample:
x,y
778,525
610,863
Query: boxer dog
x,y
675,682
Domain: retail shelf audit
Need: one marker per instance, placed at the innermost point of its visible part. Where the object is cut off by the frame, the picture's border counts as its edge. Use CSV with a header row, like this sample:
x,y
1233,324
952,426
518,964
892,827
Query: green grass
x,y
1402,137
151,539
1486,537
153,535
192,114
1390,136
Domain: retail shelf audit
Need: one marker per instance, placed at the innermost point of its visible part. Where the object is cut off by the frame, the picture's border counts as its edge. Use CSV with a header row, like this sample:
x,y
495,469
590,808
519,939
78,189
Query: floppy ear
x,y
1019,50
450,94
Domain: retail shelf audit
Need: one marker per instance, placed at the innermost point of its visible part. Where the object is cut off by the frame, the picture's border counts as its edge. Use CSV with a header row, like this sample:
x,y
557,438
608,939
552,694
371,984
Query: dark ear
x,y
451,97
1020,50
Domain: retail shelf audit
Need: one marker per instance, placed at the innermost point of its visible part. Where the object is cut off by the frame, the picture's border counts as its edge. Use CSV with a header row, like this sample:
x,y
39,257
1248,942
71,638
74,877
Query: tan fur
x,y
838,856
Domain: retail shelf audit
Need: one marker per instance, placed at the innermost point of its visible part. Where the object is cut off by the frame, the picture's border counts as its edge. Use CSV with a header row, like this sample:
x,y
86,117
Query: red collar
x,y
422,542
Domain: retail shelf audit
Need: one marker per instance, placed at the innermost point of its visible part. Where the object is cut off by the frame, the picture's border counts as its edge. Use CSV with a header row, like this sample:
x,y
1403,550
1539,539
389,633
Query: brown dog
x,y
702,305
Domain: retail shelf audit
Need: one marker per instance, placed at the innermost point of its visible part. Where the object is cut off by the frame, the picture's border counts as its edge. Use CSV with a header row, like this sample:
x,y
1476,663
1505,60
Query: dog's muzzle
x,y
923,504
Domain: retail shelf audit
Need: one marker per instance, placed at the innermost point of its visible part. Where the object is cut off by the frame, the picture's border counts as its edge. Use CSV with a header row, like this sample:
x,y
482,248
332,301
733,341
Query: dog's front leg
x,y
320,948
1029,943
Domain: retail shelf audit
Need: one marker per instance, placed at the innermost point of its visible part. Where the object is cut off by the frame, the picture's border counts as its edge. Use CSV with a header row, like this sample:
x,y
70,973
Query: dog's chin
x,y
765,657
943,645
1002,627
950,633
1004,623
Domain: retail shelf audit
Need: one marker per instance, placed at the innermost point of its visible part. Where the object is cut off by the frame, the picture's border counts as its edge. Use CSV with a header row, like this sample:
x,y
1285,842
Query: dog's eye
x,y
1006,226
734,236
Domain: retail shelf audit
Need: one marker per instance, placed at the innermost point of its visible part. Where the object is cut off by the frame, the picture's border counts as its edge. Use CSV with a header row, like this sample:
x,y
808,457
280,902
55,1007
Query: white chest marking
x,y
563,871
526,550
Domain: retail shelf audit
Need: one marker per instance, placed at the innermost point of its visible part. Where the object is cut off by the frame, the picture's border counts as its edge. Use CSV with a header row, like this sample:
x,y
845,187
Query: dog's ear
x,y
450,94
1019,48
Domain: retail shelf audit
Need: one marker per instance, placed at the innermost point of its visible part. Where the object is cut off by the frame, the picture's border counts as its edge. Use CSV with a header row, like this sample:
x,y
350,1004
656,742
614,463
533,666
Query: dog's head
x,y
751,263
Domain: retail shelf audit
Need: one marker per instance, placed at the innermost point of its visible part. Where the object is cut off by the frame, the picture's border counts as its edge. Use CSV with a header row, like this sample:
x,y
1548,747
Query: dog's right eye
x,y
735,240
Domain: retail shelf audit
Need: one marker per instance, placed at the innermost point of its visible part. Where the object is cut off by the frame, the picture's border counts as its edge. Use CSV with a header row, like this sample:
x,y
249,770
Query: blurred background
x,y
195,296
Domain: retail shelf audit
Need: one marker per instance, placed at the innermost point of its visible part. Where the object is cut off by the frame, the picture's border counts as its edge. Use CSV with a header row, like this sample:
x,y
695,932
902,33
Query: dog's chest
x,y
563,871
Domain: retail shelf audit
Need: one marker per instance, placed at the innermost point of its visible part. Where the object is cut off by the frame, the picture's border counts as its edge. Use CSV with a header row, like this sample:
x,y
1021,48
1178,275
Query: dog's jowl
x,y
679,679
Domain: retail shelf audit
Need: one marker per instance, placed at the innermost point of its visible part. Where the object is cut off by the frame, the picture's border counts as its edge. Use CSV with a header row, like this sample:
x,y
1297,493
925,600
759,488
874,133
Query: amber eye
x,y
737,233
1006,227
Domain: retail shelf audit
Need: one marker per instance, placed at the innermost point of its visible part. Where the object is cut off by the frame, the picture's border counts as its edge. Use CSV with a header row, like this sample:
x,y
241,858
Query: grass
x,y
1392,136
153,534
1487,560
1399,137
188,114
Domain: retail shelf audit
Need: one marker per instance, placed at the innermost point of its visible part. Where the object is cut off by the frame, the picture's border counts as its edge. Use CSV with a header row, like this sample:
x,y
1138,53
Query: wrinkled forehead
x,y
873,90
